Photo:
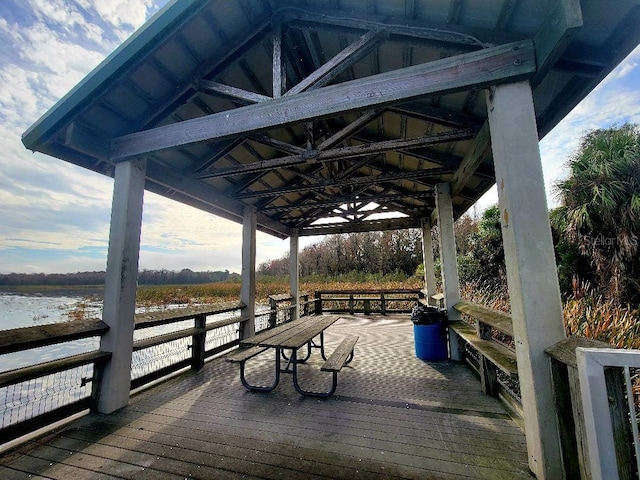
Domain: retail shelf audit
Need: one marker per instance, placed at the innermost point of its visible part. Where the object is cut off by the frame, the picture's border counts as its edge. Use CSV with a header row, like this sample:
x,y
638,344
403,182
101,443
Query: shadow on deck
x,y
393,416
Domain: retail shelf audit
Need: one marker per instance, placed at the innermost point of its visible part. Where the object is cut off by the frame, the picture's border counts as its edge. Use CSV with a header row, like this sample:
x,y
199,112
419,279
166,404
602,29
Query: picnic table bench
x,y
293,336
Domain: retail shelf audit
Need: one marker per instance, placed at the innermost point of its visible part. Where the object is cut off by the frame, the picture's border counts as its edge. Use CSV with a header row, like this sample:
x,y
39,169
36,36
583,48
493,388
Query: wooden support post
x,y
532,278
448,262
198,344
111,392
294,275
427,259
351,304
383,304
318,303
248,285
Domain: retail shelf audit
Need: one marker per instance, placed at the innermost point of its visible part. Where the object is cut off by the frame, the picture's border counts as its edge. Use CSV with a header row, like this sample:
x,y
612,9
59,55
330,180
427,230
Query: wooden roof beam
x,y
472,160
314,156
457,36
505,63
439,115
553,38
367,180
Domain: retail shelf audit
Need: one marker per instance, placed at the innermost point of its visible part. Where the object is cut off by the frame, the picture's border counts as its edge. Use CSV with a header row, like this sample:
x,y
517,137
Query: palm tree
x,y
600,206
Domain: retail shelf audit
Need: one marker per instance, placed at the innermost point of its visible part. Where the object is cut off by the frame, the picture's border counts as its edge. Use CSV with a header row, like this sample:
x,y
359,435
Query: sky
x,y
54,217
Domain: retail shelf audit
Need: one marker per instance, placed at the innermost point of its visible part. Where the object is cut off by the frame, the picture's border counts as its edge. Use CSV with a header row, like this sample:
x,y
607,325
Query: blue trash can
x,y
431,341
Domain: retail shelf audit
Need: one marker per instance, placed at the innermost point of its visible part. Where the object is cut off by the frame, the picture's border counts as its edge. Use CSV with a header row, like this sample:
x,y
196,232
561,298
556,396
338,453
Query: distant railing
x,y
596,408
366,301
281,308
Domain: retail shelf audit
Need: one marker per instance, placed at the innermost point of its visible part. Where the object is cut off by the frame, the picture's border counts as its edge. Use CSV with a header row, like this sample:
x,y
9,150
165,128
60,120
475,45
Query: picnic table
x,y
293,336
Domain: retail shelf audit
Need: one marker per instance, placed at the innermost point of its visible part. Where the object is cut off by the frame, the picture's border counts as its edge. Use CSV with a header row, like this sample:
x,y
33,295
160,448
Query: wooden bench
x,y
493,355
341,356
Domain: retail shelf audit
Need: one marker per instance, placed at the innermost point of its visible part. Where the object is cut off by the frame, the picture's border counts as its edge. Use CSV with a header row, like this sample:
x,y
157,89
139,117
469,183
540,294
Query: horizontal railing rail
x,y
367,301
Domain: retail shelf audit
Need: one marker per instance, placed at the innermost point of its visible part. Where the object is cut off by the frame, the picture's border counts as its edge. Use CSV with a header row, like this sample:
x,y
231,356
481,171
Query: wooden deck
x,y
393,416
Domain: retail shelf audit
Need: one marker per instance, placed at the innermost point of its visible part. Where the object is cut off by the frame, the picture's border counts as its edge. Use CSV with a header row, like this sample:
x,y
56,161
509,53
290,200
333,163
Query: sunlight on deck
x,y
393,416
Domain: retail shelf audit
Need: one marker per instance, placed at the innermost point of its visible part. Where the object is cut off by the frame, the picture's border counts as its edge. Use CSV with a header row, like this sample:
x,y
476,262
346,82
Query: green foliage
x,y
484,261
600,211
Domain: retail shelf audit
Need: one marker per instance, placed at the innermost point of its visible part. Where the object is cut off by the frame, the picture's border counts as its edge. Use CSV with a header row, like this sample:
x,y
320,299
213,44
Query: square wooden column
x,y
448,262
427,259
532,277
248,275
113,381
294,274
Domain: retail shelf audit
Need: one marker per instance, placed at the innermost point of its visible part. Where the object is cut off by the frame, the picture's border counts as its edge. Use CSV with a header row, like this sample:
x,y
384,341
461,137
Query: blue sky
x,y
54,217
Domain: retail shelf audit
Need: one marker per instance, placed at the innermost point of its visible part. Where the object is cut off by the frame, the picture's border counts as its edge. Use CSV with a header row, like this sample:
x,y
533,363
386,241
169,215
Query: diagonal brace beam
x,y
491,66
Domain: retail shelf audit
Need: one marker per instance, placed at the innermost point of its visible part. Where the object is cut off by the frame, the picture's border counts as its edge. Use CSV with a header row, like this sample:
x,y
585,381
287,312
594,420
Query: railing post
x,y
273,314
383,304
488,371
198,344
351,304
305,308
367,307
318,303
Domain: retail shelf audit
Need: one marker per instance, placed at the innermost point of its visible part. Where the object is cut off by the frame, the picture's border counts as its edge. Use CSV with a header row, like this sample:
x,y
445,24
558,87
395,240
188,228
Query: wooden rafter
x,y
338,64
365,226
315,156
231,92
364,200
328,183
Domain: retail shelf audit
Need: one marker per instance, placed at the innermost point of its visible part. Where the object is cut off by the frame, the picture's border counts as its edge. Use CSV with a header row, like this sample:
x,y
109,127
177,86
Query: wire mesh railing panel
x,y
152,359
222,336
25,400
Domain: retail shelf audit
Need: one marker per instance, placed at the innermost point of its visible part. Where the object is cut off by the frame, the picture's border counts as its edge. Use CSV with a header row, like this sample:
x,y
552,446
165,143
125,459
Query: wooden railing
x,y
595,405
366,301
281,307
78,373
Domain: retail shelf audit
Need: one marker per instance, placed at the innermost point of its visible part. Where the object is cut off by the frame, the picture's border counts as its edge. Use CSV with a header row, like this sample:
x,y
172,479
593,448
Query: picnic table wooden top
x,y
292,334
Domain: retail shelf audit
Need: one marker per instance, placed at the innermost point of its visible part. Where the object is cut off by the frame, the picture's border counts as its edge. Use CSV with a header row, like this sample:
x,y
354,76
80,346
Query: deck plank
x,y
393,416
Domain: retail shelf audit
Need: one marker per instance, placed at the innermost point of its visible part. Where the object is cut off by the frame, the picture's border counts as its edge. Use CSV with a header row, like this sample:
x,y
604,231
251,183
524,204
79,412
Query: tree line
x,y
145,277
397,252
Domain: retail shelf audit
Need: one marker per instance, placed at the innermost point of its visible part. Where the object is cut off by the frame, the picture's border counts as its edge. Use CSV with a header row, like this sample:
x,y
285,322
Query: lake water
x,y
32,310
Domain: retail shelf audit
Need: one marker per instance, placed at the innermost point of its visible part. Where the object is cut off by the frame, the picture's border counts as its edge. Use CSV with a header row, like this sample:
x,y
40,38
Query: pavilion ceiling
x,y
344,109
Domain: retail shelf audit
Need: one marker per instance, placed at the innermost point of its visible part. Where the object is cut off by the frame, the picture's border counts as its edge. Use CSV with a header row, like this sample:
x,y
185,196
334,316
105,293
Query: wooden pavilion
x,y
374,114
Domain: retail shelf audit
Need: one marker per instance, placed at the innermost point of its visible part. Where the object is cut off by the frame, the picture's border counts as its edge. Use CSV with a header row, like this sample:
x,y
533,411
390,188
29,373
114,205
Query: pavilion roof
x,y
345,109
